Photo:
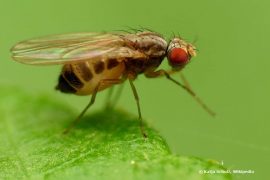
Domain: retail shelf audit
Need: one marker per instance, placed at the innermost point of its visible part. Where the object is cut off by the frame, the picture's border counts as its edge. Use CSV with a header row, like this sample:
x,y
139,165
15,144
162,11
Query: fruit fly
x,y
95,61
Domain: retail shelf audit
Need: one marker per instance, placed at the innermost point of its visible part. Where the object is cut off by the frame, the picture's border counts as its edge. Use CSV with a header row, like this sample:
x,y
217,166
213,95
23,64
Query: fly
x,y
96,61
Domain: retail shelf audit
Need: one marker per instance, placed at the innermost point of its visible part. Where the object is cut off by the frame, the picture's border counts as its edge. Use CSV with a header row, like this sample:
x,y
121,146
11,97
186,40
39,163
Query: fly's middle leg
x,y
108,104
138,107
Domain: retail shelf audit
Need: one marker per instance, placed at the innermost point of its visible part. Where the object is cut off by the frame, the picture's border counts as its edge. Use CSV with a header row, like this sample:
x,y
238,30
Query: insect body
x,y
95,61
139,53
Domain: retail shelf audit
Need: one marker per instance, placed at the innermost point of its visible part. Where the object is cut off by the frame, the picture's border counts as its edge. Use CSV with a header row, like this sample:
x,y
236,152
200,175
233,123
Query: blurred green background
x,y
230,73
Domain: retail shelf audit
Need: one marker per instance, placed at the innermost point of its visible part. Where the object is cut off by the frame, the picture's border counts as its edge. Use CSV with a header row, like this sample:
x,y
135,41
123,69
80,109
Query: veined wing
x,y
68,48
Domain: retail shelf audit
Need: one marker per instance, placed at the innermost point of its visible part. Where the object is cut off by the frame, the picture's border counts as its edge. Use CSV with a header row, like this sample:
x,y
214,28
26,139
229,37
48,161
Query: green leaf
x,y
104,145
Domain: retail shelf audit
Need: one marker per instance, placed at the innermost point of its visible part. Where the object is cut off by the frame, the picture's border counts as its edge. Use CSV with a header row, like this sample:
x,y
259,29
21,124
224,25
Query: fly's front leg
x,y
161,72
158,73
185,81
185,86
101,83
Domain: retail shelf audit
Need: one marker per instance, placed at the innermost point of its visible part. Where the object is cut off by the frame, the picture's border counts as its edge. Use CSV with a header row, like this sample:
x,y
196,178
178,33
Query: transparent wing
x,y
67,48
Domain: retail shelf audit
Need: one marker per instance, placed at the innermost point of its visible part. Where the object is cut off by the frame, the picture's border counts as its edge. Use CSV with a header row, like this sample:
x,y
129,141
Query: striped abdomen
x,y
83,77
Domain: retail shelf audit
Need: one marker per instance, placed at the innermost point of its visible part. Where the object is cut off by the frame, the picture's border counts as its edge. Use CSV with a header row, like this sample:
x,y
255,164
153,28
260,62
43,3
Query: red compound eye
x,y
178,57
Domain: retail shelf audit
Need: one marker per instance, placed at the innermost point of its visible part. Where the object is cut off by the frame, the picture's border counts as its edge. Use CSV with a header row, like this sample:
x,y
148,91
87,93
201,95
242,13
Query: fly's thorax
x,y
179,53
150,43
83,77
150,46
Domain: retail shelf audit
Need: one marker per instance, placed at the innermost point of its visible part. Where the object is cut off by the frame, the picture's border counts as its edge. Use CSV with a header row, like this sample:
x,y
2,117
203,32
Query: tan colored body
x,y
96,75
145,52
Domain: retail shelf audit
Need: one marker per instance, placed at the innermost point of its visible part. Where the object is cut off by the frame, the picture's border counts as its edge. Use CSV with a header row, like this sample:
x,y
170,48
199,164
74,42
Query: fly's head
x,y
179,53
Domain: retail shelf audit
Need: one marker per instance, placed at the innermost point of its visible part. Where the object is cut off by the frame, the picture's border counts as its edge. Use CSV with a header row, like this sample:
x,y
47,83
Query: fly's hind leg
x,y
108,104
92,100
111,100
